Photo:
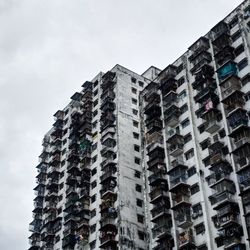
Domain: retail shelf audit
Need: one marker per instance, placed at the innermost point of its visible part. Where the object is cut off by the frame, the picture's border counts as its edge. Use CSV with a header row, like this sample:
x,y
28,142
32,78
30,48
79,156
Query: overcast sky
x,y
49,48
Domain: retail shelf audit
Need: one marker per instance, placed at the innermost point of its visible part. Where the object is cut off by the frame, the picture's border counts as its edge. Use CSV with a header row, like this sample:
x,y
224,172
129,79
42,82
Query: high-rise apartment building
x,y
154,161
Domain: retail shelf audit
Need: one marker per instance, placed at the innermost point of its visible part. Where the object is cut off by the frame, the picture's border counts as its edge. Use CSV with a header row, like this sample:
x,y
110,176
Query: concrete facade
x,y
154,161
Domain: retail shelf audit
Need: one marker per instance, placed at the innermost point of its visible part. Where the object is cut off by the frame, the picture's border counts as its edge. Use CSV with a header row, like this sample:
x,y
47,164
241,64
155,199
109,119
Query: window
x,y
201,129
57,238
133,80
239,50
92,228
95,92
137,174
64,141
233,22
95,113
182,95
204,144
137,160
135,135
93,198
60,197
93,172
194,189
139,202
179,68
64,151
141,84
189,154
247,96
134,101
200,229
245,79
94,124
242,64
134,90
138,188
92,244
187,138
183,108
180,81
94,135
222,133
95,102
94,159
135,112
191,171
197,210
93,184
136,148
141,235
95,83
140,218
135,124
92,213
61,186
206,161
185,123
236,35
94,146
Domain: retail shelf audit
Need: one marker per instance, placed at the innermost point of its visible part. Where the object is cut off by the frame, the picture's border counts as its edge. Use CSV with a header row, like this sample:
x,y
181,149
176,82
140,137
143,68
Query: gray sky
x,y
49,48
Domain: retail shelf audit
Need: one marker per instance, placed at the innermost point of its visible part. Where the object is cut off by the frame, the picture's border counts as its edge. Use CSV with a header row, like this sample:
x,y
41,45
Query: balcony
x,y
108,241
204,75
217,158
219,29
73,179
38,206
178,163
161,231
221,42
242,146
108,224
214,178
237,118
55,160
206,92
167,74
201,45
200,61
176,149
157,193
160,211
69,241
109,173
178,181
170,98
180,201
186,241
108,189
171,116
53,184
108,94
221,199
230,87
157,178
227,210
227,70
183,219
242,163
153,106
108,152
155,125
108,106
225,55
